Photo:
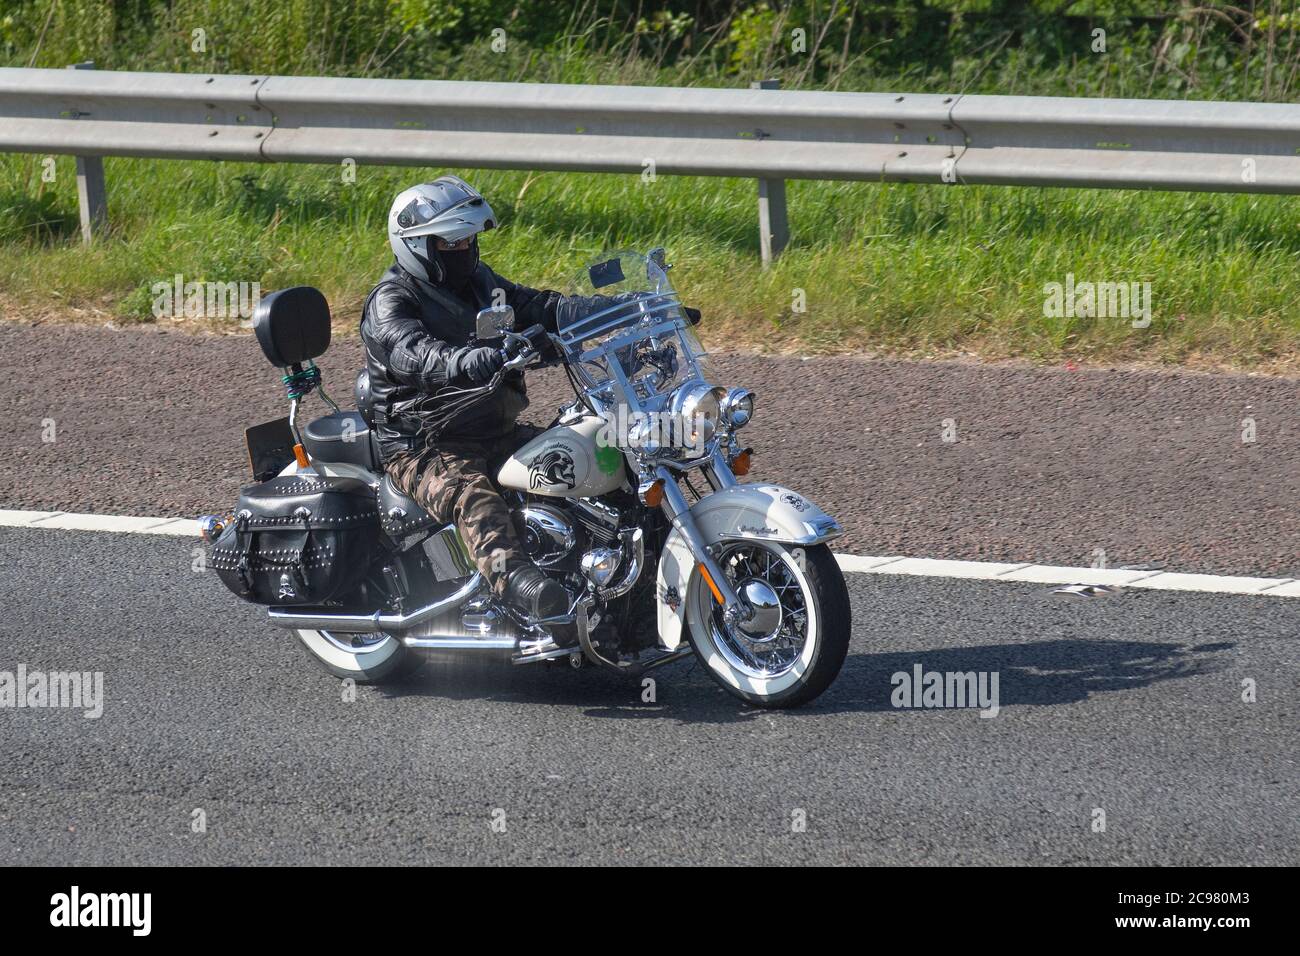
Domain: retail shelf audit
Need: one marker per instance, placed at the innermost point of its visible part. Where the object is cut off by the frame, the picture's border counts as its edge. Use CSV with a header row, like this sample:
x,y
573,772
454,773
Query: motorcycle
x,y
607,501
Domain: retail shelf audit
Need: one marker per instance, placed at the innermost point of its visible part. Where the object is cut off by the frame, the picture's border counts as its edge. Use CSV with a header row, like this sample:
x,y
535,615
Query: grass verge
x,y
885,269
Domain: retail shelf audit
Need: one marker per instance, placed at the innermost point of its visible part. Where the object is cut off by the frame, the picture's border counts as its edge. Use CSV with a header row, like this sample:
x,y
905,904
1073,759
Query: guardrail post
x,y
92,197
773,224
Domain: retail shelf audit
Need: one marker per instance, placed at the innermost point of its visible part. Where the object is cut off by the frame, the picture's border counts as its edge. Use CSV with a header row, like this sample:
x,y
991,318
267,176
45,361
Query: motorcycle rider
x,y
418,327
418,330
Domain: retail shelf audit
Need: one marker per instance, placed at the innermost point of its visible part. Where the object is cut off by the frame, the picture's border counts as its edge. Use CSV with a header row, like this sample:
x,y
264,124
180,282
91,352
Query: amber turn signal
x,y
740,464
652,494
300,454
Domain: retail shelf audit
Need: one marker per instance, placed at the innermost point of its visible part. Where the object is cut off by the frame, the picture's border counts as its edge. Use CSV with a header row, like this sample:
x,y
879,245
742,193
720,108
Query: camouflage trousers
x,y
453,482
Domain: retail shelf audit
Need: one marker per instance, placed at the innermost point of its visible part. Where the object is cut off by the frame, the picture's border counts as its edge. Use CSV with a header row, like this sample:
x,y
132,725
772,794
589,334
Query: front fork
x,y
717,472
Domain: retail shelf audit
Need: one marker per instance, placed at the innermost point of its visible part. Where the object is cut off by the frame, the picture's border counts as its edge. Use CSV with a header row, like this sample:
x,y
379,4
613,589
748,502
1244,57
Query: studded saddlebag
x,y
298,539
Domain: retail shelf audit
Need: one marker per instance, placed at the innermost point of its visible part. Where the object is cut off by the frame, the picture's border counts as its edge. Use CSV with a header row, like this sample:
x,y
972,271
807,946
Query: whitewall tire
x,y
794,646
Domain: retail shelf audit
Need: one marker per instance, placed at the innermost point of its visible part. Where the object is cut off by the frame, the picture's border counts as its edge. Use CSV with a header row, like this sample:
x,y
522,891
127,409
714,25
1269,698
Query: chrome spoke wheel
x,y
772,641
793,643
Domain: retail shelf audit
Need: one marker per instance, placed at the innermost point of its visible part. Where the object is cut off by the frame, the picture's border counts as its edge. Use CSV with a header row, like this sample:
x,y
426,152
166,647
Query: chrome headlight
x,y
738,407
643,435
696,407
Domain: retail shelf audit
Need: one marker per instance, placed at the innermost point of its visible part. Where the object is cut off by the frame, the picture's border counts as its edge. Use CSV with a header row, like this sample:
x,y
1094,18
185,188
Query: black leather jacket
x,y
416,338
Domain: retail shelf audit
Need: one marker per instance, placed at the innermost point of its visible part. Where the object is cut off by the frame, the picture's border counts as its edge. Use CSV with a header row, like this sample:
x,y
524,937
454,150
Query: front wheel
x,y
796,642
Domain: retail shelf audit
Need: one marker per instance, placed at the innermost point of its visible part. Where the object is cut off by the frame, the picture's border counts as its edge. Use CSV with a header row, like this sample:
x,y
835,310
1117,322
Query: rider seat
x,y
400,514
342,438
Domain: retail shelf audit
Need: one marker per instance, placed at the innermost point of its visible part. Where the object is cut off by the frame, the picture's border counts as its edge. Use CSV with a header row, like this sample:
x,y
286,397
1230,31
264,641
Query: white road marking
x,y
73,521
857,564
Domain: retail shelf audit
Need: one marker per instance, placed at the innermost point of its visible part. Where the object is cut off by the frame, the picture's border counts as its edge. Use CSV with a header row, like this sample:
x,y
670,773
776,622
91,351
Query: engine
x,y
582,542
549,536
557,533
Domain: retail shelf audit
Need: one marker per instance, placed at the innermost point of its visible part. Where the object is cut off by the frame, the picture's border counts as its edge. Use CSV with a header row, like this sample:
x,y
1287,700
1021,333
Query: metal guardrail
x,y
763,133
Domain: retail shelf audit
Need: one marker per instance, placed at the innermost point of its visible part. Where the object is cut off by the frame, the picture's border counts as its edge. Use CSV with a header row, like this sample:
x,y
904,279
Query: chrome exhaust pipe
x,y
436,642
379,621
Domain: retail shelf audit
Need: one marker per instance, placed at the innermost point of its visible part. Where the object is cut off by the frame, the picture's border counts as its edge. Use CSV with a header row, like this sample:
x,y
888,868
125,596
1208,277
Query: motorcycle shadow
x,y
471,677
1040,673
1034,674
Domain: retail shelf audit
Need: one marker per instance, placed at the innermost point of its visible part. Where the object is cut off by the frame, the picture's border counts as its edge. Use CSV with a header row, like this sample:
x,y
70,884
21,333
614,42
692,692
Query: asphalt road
x,y
1129,704
1045,465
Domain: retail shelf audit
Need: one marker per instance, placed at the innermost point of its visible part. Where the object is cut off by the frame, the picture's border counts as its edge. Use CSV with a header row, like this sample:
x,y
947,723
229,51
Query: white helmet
x,y
447,208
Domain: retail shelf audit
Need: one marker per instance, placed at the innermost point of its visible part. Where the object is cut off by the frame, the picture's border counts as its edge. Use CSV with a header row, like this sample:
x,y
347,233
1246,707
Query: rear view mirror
x,y
493,322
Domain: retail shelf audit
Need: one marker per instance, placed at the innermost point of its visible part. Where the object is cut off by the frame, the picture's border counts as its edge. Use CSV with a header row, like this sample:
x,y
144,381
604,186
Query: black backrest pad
x,y
292,325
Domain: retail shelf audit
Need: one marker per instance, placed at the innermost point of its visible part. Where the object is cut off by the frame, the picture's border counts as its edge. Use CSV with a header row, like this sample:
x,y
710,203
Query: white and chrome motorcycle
x,y
630,500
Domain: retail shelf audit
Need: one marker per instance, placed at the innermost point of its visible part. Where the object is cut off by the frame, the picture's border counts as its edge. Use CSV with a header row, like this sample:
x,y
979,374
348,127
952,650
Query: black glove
x,y
479,365
693,315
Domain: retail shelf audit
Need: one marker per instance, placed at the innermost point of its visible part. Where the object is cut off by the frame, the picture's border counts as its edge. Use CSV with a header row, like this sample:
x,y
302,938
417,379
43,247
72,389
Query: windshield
x,y
625,335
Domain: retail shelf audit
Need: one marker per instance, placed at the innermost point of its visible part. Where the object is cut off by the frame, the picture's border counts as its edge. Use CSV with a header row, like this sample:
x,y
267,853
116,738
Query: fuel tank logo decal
x,y
553,468
608,459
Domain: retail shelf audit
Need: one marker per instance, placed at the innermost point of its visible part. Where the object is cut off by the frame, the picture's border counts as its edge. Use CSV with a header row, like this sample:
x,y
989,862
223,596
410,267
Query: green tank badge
x,y
608,459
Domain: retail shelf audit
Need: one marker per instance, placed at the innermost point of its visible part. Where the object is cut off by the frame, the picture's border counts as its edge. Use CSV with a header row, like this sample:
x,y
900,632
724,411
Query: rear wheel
x,y
796,642
366,658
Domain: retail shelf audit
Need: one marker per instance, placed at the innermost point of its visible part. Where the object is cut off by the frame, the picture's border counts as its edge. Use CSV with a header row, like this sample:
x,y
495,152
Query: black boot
x,y
534,594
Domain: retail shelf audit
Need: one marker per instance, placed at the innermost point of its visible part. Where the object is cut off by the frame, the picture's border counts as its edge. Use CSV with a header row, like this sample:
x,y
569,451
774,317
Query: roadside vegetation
x,y
872,268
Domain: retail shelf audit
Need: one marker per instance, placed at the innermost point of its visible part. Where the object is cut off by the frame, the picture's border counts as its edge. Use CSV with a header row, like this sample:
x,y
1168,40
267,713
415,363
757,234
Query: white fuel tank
x,y
566,462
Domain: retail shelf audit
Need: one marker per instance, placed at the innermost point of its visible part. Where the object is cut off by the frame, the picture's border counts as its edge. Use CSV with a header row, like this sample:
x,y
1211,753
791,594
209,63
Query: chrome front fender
x,y
741,512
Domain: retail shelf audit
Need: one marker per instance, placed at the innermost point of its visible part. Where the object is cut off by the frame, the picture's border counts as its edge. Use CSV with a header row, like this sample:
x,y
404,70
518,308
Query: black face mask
x,y
458,266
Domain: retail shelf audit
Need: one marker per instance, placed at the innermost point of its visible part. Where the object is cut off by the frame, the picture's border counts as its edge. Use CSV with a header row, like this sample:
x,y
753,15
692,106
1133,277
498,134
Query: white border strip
x,y
71,521
858,564
1052,574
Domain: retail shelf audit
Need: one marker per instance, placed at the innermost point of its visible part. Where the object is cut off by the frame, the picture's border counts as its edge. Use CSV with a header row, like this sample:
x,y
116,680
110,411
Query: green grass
x,y
885,269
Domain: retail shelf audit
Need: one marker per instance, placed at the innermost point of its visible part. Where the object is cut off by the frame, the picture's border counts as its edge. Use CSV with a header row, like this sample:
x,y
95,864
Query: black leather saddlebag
x,y
298,539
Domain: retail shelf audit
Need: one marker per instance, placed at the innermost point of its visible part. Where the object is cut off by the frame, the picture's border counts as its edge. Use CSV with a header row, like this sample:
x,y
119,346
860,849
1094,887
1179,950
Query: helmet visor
x,y
420,218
